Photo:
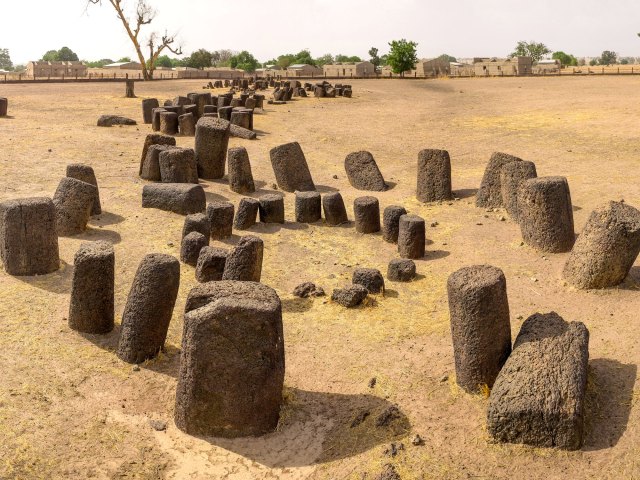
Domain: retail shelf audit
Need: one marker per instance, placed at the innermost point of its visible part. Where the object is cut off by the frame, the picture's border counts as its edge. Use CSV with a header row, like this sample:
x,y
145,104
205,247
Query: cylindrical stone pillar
x,y
197,222
545,214
191,246
606,249
308,207
391,223
92,292
212,140
148,104
480,326
169,123
246,214
187,124
232,361
434,176
74,200
221,219
240,176
335,212
149,307
511,177
366,211
272,208
210,266
411,236
244,263
4,106
155,118
86,174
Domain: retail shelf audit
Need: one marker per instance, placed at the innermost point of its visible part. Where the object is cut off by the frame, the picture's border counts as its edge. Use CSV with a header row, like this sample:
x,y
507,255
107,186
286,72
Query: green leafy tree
x,y
285,60
373,56
565,59
124,60
199,59
221,58
304,56
384,60
65,54
244,61
447,58
593,62
347,59
5,59
608,58
402,56
19,68
535,50
99,63
164,61
326,59
50,56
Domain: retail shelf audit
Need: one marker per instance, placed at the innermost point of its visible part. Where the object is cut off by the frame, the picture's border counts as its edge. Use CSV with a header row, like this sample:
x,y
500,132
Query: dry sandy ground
x,y
70,409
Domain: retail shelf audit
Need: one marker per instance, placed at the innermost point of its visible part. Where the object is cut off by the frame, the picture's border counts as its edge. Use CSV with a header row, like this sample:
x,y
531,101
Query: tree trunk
x,y
130,93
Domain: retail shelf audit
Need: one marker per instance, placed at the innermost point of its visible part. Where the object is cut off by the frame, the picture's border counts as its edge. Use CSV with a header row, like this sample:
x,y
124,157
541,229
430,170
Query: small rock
x,y
361,417
519,317
274,186
388,416
170,244
351,296
158,425
335,177
372,382
534,279
502,218
308,289
444,378
478,223
136,368
417,440
388,473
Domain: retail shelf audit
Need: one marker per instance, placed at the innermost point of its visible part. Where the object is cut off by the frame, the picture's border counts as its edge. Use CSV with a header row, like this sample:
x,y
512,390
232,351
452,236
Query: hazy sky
x,y
462,28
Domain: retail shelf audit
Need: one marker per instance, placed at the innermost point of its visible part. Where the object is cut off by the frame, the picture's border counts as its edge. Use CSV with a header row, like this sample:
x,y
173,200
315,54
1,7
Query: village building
x,y
497,67
423,68
124,66
352,69
547,67
41,69
302,70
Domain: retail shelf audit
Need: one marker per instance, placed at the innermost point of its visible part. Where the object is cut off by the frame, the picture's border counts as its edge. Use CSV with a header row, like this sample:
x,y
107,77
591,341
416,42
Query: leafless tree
x,y
144,15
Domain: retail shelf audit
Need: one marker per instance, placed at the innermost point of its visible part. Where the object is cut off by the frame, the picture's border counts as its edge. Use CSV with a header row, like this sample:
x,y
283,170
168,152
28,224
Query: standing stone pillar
x,y
434,176
212,140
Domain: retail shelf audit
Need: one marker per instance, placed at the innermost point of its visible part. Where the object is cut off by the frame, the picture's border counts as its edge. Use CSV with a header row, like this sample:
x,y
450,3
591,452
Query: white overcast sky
x,y
462,28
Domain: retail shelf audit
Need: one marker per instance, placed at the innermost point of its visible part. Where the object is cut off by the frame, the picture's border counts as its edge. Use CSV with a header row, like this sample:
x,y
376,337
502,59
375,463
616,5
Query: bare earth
x,y
70,409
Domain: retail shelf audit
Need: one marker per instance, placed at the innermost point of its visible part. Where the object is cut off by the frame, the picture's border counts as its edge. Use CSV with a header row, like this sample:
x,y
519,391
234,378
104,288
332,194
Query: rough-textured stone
x,y
538,397
4,106
146,316
240,176
86,174
244,263
151,165
272,208
91,309
74,200
221,218
187,124
391,223
366,211
28,236
480,325
154,139
335,212
350,296
232,364
237,131
290,168
211,262
112,120
212,140
155,118
247,213
308,289
190,247
169,123
401,270
512,175
148,104
606,249
411,236
434,176
545,214
490,192
197,222
178,165
182,198
308,207
370,278
363,172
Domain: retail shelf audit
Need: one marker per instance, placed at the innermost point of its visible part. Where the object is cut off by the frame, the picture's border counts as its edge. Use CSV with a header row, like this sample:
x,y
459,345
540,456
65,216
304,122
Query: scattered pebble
x,y
444,378
158,425
372,382
136,368
417,440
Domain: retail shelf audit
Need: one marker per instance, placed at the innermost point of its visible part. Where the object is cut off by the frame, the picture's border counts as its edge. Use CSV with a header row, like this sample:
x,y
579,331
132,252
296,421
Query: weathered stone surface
x,y
434,176
363,172
187,124
28,236
244,263
411,236
155,118
391,223
74,200
512,175
197,222
545,214
86,174
480,325
182,198
237,131
240,176
4,106
490,191
146,316
154,139
169,123
212,140
538,397
369,278
211,262
401,270
148,104
221,219
247,213
606,249
366,211
272,208
308,207
190,247
335,212
308,289
178,165
91,309
151,165
232,361
350,296
112,120
290,168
